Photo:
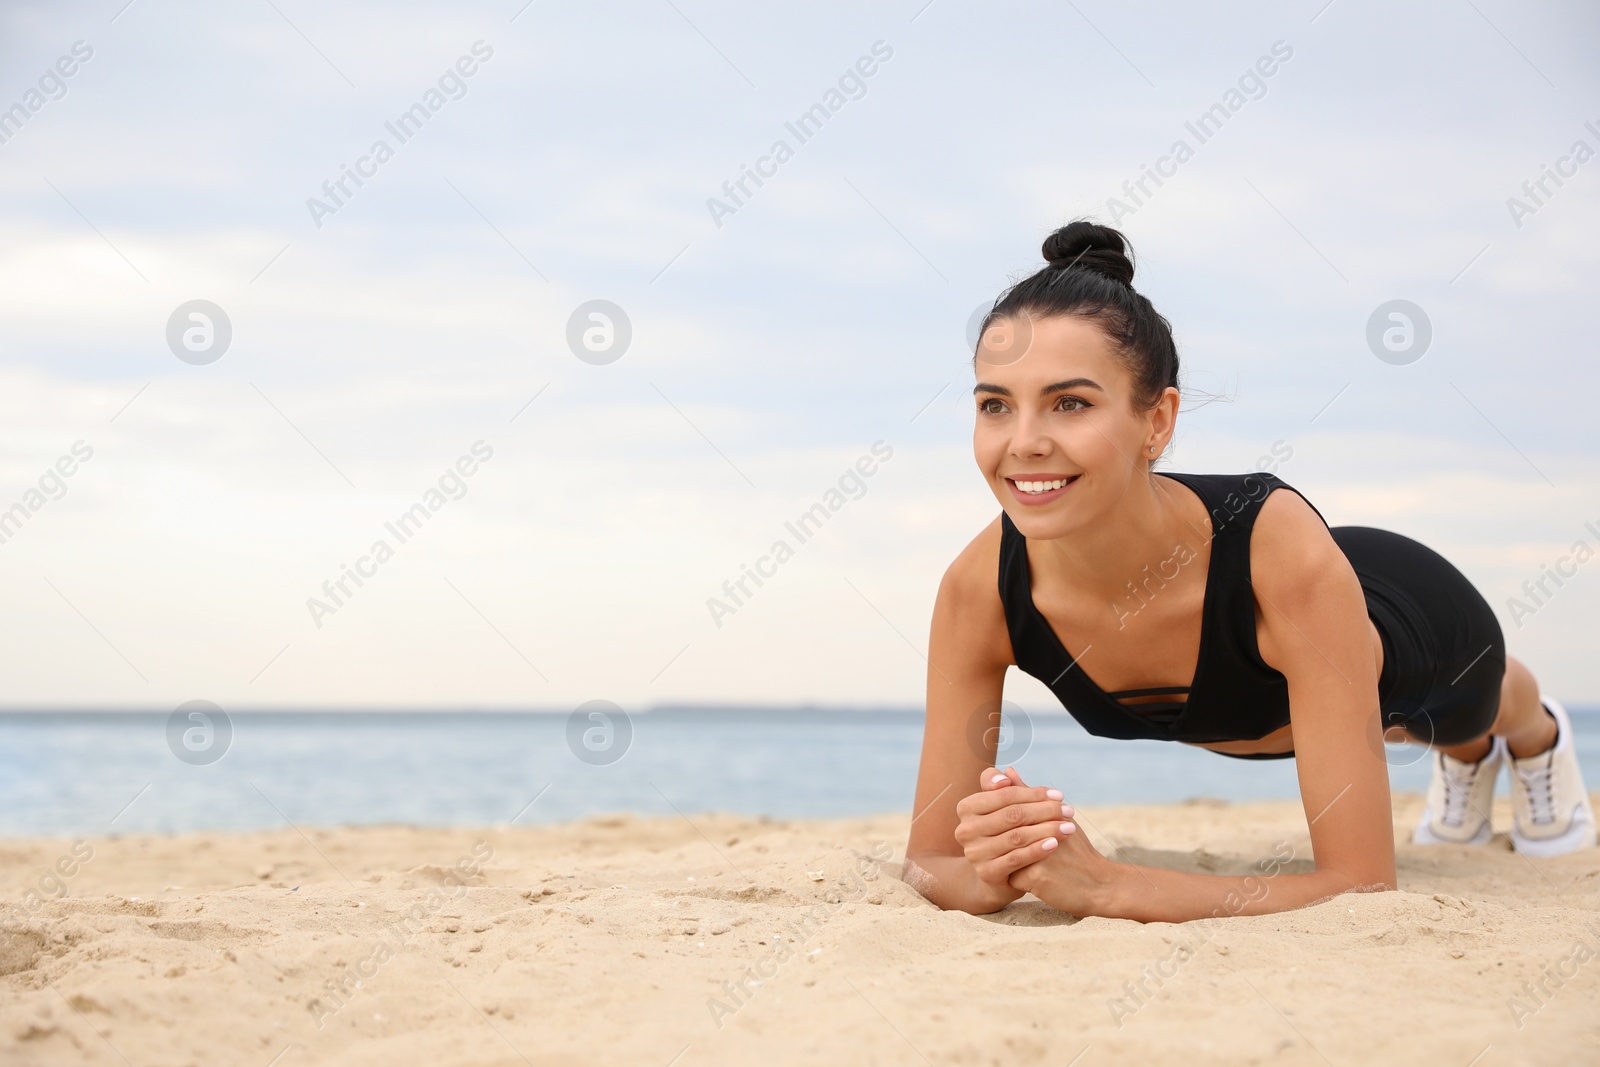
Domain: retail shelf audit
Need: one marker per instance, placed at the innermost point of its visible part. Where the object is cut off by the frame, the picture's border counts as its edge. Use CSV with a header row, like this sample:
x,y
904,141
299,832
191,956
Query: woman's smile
x,y
1036,489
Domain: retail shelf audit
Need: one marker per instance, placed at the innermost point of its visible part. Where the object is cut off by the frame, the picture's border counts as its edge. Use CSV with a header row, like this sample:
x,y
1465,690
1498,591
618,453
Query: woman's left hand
x,y
1073,878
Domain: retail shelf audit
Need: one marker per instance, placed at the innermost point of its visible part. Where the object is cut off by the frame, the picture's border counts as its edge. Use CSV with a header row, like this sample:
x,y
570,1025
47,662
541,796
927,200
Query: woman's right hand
x,y
1007,825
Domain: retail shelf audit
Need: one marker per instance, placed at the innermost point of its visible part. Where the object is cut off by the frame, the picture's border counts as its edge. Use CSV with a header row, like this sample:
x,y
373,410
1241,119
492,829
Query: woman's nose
x,y
1029,438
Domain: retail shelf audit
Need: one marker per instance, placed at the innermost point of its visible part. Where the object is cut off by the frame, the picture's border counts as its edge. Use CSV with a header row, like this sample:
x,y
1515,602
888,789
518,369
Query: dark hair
x,y
1089,274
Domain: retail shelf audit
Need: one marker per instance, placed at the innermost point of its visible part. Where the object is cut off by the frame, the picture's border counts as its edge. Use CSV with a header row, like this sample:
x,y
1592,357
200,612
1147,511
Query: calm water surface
x,y
98,773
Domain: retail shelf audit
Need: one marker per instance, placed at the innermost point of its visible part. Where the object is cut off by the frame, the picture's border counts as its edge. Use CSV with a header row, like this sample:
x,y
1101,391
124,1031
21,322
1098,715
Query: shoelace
x,y
1457,791
1540,787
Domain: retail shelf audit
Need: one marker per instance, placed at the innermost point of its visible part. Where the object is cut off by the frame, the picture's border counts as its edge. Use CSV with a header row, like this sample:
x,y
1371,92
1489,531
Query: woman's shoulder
x,y
1248,496
974,574
1290,540
1291,545
1255,483
969,598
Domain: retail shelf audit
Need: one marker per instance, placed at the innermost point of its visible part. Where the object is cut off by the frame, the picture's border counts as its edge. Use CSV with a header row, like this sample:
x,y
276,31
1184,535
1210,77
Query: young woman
x,y
1206,609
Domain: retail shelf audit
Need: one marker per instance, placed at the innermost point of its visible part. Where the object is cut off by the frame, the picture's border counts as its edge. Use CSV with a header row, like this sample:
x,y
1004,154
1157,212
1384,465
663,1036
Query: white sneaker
x,y
1550,808
1459,799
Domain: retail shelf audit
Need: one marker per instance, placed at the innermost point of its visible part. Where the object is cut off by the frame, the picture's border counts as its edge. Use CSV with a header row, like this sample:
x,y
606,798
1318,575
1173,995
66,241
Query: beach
x,y
725,939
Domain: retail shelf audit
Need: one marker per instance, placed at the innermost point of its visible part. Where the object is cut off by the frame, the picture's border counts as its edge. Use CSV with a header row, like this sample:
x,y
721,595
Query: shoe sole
x,y
1581,834
1424,836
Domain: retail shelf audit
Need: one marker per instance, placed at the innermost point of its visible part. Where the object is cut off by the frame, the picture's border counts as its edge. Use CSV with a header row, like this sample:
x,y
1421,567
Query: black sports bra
x,y
1233,696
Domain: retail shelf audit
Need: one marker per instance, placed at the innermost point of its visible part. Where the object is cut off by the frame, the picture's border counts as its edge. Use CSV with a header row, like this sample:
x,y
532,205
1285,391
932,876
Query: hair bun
x,y
1089,246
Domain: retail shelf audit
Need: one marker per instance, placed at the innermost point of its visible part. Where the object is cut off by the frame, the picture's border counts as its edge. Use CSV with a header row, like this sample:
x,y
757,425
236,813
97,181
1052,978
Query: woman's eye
x,y
1079,403
992,406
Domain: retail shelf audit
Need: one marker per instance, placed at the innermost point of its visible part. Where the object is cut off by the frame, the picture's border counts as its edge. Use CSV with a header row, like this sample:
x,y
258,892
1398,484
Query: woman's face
x,y
1055,433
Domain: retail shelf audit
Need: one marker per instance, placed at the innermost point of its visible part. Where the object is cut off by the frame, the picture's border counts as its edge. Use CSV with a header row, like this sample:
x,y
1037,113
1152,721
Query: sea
x,y
85,773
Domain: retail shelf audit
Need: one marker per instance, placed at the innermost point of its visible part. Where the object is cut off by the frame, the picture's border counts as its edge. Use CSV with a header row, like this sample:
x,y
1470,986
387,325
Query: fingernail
x,y
1066,809
1049,843
997,779
1053,794
1066,828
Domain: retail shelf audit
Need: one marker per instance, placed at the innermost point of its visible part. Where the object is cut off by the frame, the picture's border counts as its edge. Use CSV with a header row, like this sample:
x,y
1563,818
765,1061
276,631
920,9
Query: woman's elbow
x,y
943,895
1347,880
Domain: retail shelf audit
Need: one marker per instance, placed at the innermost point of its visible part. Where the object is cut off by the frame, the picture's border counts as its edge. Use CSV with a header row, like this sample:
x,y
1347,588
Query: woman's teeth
x,y
1040,487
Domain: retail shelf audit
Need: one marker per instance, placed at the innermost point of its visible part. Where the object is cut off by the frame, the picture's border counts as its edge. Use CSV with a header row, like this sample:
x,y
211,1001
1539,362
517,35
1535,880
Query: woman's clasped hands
x,y
1024,839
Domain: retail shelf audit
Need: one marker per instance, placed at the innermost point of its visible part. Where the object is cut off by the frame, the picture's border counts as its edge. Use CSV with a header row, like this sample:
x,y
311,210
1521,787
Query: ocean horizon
x,y
95,773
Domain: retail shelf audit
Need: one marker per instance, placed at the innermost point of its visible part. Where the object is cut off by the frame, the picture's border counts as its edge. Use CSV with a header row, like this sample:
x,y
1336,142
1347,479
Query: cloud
x,y
820,318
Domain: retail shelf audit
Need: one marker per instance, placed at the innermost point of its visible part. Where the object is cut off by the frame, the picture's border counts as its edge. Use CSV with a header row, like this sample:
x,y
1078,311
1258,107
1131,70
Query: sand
x,y
627,941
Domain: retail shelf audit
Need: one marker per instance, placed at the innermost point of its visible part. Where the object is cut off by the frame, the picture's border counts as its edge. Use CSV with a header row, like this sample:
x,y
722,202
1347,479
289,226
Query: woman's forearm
x,y
1154,894
952,884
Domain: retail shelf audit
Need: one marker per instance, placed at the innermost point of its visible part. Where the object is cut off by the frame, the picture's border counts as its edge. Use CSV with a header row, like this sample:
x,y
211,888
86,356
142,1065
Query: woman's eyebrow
x,y
1054,387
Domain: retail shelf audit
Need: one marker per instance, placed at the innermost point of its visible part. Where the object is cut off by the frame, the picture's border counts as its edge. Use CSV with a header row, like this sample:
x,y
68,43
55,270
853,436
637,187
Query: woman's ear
x,y
1163,421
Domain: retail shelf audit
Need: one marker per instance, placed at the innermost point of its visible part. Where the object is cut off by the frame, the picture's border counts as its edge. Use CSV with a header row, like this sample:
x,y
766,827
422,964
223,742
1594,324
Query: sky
x,y
423,337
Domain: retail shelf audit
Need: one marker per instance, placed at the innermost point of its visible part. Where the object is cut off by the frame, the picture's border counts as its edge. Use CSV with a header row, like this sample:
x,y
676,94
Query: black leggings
x,y
1443,653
